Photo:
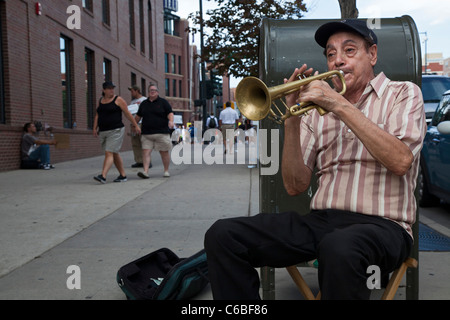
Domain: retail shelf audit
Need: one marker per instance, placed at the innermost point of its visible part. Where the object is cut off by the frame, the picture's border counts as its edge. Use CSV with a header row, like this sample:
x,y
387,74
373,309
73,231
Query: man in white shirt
x,y
136,139
228,120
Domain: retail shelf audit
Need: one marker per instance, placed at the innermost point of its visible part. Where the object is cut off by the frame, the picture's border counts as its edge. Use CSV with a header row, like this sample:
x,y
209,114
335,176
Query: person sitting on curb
x,y
34,149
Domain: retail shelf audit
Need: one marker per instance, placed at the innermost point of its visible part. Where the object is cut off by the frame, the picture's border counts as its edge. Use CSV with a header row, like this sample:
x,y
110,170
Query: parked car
x,y
433,86
434,174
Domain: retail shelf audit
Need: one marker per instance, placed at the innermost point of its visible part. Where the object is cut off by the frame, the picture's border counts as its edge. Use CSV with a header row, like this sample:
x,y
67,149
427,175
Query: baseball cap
x,y
359,26
108,84
135,87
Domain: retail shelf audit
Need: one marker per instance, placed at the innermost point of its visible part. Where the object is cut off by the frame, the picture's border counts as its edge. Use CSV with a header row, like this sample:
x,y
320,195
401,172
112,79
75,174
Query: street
x,y
66,219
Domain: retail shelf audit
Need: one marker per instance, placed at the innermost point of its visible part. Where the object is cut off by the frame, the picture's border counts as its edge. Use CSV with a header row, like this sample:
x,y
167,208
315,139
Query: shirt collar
x,y
378,84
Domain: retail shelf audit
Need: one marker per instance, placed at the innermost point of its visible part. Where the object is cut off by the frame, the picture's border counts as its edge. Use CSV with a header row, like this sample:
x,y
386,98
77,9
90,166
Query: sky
x,y
430,16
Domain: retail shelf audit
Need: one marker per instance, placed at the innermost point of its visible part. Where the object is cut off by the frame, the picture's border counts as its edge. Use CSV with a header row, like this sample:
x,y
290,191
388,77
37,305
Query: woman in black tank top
x,y
109,127
109,115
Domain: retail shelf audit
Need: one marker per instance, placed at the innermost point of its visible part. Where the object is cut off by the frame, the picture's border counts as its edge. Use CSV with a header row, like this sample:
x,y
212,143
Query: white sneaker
x,y
166,174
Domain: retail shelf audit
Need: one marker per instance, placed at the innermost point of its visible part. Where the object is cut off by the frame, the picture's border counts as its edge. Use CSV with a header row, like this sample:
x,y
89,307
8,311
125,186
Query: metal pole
x,y
426,58
203,84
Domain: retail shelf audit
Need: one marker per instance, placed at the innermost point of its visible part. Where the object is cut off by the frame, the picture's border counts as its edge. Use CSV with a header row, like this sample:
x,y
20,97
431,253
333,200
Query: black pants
x,y
344,243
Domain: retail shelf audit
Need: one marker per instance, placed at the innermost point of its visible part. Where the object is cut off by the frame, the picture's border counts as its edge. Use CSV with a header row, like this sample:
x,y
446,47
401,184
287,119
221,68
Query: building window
x,y
2,80
132,25
107,70
173,70
66,76
133,78
179,65
90,86
180,91
167,88
143,87
166,62
150,31
87,4
141,25
168,26
174,87
105,12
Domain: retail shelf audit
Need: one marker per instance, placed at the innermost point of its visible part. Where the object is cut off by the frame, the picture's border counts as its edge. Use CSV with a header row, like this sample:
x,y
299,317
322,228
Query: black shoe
x,y
143,175
137,165
120,179
100,178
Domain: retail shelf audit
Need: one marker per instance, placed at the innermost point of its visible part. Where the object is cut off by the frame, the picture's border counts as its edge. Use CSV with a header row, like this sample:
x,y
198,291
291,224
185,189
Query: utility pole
x,y
203,83
425,39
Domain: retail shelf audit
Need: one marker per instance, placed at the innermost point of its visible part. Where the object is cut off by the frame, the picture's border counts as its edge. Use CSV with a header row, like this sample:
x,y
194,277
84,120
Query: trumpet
x,y
255,99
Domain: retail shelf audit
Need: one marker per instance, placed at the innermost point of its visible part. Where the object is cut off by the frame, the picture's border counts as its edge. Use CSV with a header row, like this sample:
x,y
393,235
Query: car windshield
x,y
434,87
443,111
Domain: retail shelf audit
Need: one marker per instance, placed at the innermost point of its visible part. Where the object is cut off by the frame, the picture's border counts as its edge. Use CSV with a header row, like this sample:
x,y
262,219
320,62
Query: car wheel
x,y
426,199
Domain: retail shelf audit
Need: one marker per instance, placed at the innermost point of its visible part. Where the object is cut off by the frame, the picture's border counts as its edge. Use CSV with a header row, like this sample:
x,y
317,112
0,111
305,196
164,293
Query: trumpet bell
x,y
253,98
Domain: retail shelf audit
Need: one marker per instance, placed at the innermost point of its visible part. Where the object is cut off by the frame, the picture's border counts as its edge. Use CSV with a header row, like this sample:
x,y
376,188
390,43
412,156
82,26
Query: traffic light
x,y
209,90
216,84
213,86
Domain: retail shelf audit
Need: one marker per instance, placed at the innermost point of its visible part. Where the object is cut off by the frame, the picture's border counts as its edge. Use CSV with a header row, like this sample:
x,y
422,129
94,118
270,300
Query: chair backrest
x,y
287,44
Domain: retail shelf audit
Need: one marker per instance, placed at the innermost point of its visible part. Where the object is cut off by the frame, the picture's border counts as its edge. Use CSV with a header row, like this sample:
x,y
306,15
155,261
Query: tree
x,y
348,9
234,32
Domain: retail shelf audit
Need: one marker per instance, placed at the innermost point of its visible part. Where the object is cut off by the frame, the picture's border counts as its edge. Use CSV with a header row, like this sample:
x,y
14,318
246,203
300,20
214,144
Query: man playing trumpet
x,y
366,153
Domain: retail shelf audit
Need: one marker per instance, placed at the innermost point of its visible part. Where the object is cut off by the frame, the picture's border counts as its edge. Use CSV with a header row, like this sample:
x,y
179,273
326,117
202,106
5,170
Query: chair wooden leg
x,y
388,294
396,278
300,282
319,295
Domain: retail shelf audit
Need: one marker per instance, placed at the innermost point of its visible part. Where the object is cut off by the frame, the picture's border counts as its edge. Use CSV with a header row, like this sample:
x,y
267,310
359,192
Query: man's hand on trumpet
x,y
320,93
299,73
317,92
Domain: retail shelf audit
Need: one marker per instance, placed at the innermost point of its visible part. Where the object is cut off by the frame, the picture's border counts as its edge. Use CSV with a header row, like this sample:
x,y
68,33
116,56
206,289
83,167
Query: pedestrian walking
x,y
108,126
157,118
136,144
228,120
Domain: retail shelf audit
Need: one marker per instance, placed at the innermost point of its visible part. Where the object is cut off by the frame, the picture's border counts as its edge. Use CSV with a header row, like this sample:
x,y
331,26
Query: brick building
x,y
434,63
55,55
181,67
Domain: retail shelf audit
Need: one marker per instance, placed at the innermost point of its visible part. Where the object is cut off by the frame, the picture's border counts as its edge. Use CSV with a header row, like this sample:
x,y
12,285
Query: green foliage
x,y
232,32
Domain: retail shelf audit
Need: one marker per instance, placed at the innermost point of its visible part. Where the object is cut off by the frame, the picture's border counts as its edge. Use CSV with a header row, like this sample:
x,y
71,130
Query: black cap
x,y
108,84
355,25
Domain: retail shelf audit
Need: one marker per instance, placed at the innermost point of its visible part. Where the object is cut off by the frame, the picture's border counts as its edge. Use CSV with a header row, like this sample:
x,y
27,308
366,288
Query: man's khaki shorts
x,y
158,141
224,129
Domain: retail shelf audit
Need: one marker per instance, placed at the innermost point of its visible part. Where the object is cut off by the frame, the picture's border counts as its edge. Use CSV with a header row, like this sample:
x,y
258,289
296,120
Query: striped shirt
x,y
349,178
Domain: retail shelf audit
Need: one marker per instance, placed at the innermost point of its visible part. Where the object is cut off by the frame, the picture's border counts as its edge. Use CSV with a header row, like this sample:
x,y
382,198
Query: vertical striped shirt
x,y
349,177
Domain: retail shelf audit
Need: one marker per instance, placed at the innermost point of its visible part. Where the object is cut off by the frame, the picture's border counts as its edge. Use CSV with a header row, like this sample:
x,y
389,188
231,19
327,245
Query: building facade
x,y
433,64
55,56
447,67
181,66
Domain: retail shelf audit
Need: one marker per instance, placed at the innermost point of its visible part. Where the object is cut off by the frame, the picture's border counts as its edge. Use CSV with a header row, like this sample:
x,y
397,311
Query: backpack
x,y
162,275
212,122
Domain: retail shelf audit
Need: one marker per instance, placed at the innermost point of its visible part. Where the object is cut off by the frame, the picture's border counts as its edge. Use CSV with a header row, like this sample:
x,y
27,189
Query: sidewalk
x,y
53,219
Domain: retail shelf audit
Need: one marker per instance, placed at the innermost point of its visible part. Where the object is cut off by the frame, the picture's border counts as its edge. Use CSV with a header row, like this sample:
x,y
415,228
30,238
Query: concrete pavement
x,y
53,219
